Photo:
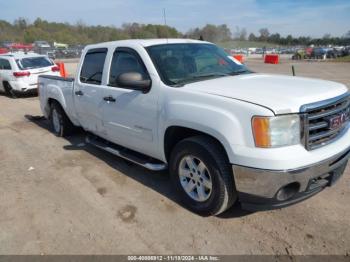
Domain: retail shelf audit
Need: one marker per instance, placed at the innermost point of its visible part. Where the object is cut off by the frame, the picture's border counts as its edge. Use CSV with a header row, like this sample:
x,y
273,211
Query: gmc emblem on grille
x,y
338,120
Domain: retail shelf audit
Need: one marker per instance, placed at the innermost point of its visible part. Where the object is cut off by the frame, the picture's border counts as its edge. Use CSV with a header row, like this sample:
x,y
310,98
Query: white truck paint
x,y
221,107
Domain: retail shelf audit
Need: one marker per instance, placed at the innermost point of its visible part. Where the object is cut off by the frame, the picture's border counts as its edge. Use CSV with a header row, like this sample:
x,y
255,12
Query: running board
x,y
134,157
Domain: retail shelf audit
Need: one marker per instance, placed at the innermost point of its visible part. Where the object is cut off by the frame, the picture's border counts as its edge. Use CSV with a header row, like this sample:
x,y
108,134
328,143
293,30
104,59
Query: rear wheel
x,y
9,90
202,175
60,123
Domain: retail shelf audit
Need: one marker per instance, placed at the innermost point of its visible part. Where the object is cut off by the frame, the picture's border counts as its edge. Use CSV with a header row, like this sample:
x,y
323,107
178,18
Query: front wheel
x,y
202,175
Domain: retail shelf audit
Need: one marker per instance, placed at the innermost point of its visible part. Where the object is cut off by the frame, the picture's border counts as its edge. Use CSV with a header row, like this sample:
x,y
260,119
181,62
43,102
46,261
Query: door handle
x,y
79,93
109,99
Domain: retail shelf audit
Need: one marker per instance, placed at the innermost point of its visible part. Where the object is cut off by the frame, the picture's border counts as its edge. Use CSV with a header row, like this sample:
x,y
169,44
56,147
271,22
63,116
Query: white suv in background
x,y
19,71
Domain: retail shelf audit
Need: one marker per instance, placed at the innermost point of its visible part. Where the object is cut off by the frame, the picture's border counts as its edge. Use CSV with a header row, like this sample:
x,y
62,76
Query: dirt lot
x,y
61,196
333,71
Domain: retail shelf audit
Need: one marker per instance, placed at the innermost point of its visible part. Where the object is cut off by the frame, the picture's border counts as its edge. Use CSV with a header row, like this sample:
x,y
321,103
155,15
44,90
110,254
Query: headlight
x,y
276,131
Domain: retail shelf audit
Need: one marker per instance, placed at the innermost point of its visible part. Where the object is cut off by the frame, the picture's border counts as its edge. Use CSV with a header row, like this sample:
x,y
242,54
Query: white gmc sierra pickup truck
x,y
225,133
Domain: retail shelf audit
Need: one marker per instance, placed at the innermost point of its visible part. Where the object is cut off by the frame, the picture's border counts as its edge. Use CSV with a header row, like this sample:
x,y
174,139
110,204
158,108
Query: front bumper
x,y
261,189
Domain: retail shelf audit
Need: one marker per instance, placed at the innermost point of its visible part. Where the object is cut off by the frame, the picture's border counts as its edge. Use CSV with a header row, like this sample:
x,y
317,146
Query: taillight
x,y
20,74
55,69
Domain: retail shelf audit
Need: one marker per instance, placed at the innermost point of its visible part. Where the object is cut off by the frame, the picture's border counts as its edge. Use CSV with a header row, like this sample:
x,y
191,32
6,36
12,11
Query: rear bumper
x,y
261,189
22,87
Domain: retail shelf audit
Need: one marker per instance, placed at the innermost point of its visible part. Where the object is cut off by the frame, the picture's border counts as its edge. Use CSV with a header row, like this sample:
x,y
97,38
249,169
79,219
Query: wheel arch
x,y
50,101
174,134
4,83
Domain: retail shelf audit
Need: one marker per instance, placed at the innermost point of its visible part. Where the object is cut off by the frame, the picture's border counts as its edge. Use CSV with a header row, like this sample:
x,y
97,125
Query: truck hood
x,y
281,94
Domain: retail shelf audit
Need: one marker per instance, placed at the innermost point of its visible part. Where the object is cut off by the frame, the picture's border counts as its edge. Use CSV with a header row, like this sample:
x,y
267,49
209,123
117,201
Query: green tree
x,y
264,34
252,37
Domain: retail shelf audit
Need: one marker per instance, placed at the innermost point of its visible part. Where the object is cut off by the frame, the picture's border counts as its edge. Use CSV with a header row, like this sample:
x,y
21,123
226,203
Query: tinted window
x,y
179,64
5,64
34,62
92,69
126,62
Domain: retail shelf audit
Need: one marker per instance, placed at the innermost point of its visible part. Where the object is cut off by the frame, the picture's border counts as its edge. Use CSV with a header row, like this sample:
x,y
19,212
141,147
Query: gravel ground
x,y
60,196
334,71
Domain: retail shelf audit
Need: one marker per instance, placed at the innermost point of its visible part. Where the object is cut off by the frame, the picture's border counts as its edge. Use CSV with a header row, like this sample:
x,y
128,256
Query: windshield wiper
x,y
90,79
199,77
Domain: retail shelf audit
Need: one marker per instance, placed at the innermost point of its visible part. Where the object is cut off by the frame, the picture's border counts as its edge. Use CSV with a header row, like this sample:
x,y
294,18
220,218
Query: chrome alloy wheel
x,y
56,121
195,178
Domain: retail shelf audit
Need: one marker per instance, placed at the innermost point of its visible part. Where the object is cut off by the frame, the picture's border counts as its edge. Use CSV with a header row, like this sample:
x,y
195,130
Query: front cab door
x,y
130,116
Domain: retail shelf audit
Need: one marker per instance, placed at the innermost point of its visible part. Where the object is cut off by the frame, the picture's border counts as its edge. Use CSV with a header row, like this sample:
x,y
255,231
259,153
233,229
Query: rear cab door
x,y
88,90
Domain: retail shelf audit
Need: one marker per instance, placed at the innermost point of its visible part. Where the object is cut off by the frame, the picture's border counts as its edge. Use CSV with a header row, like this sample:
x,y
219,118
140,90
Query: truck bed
x,y
60,89
60,78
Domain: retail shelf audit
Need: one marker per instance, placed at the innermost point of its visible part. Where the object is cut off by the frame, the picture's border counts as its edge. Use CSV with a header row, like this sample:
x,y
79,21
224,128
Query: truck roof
x,y
146,42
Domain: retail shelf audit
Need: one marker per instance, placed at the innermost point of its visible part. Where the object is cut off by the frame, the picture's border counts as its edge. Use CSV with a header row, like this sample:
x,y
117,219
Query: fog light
x,y
288,191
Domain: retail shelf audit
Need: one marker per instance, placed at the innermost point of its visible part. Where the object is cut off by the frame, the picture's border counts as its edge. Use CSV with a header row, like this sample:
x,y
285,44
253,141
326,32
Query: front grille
x,y
325,121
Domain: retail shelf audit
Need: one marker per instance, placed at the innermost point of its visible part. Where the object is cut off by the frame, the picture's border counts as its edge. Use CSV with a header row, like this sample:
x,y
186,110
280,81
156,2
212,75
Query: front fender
x,y
228,120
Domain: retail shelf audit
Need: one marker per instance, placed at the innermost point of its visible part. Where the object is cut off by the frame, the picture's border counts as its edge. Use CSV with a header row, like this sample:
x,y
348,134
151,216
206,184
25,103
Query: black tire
x,y
65,127
8,90
223,191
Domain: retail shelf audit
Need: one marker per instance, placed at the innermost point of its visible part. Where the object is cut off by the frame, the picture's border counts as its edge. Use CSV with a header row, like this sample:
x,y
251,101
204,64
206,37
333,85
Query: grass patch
x,y
342,59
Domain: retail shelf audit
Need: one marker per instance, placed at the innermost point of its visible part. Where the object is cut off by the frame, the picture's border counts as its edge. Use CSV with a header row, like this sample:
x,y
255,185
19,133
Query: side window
x,y
126,62
5,64
92,69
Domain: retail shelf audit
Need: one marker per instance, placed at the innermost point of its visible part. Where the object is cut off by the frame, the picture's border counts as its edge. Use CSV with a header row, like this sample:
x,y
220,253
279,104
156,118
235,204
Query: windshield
x,y
179,64
33,62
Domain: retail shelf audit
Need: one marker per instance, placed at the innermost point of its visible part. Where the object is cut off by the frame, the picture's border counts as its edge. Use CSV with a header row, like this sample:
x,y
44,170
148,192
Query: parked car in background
x,y
319,53
51,54
345,51
226,134
308,51
259,51
67,53
41,44
3,50
299,54
332,53
60,45
19,72
323,53
6,44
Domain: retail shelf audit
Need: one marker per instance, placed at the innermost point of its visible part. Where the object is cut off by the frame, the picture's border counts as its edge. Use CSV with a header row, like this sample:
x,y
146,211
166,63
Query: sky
x,y
313,18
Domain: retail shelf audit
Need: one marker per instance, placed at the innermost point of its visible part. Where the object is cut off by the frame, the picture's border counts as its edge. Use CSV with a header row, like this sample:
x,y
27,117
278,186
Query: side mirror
x,y
134,80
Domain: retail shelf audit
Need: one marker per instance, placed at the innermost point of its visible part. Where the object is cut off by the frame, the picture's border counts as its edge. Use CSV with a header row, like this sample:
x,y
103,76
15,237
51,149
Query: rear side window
x,y
5,64
33,62
92,69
